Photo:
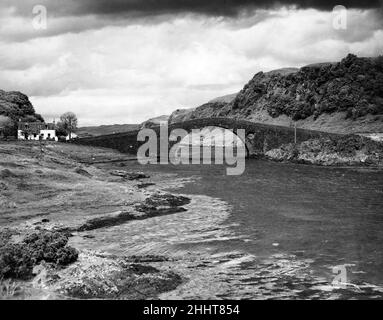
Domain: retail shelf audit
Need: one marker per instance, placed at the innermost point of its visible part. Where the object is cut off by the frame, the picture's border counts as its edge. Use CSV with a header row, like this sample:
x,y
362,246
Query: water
x,y
277,231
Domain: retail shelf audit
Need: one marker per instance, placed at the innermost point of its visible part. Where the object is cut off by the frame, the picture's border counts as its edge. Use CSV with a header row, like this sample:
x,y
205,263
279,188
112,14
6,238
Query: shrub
x,y
15,262
18,259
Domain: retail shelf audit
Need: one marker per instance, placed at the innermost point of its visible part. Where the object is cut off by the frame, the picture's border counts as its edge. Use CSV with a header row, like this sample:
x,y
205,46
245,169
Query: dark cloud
x,y
211,7
159,7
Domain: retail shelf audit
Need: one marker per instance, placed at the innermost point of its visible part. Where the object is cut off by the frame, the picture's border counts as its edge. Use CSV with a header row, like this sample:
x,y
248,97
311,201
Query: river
x,y
277,231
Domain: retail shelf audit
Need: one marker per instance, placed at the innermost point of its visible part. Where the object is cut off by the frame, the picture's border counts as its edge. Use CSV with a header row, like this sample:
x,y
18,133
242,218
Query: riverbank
x,y
349,150
113,231
50,195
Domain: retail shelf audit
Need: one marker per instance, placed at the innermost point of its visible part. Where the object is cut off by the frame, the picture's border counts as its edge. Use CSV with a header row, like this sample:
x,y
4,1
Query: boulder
x,y
83,172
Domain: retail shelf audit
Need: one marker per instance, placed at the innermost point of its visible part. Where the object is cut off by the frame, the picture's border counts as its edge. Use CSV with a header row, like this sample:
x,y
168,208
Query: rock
x,y
342,150
160,204
88,236
145,185
146,258
155,205
207,110
107,221
100,276
167,199
119,173
83,172
152,211
154,122
129,175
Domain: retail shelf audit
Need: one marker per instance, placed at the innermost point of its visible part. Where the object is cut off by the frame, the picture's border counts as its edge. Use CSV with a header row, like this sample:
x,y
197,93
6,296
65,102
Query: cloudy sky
x,y
123,61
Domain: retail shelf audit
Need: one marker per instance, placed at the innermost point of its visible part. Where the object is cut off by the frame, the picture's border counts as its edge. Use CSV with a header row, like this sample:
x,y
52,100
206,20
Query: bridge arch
x,y
259,137
208,137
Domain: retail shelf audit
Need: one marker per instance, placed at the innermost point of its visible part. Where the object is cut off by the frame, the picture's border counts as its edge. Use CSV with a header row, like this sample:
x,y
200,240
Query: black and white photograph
x,y
191,154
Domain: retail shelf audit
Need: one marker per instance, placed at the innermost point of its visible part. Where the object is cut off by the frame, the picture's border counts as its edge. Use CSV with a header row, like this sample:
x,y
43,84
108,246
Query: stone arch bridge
x,y
259,138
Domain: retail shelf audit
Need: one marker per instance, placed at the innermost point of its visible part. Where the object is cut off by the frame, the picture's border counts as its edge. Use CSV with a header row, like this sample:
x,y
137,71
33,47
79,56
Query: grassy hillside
x,y
118,128
107,129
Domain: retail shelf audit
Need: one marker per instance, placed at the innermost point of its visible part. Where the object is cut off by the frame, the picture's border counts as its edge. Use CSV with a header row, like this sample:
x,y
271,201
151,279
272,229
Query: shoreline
x,y
18,174
99,205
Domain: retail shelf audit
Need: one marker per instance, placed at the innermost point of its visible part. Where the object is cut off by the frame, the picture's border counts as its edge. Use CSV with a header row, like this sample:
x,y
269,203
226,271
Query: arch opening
x,y
210,142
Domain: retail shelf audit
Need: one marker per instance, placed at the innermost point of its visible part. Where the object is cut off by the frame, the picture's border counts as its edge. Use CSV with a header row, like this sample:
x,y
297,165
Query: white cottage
x,y
36,131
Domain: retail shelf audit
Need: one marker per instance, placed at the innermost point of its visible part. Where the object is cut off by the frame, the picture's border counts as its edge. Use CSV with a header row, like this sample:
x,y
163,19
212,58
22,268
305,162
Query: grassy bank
x,y
50,193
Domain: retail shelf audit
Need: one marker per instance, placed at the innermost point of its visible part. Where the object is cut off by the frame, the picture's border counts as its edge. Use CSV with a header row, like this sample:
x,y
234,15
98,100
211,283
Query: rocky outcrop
x,y
342,97
162,204
348,150
155,205
129,175
353,85
101,276
207,110
153,122
54,270
180,115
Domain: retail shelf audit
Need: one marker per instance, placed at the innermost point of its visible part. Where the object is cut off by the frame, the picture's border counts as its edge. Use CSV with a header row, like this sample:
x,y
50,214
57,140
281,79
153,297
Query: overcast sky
x,y
124,61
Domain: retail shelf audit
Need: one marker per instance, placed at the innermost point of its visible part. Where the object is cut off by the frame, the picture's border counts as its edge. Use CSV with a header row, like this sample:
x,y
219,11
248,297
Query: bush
x,y
14,262
18,259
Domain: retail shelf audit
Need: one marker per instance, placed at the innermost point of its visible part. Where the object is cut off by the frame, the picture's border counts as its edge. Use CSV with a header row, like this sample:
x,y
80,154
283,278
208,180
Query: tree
x,y
60,130
68,123
7,127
